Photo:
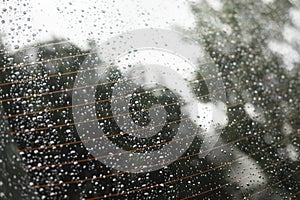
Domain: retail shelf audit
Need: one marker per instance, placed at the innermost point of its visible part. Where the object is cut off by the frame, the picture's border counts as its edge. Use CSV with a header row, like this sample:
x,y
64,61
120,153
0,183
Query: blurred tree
x,y
237,36
13,179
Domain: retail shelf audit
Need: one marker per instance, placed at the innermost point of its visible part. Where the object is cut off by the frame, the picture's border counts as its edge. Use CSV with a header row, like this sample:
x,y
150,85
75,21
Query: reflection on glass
x,y
254,47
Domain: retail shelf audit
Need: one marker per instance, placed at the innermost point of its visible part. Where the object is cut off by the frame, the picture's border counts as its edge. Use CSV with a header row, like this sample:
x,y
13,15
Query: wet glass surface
x,y
149,100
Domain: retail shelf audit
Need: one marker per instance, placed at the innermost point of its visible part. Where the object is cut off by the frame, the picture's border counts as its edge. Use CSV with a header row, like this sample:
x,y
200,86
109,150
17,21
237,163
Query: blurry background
x,y
255,45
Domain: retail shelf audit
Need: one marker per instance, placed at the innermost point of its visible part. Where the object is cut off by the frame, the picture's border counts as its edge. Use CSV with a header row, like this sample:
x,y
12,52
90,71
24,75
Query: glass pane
x,y
150,99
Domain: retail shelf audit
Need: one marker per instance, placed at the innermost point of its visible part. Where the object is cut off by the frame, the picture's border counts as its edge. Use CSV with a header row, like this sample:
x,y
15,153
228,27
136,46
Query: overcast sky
x,y
29,21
